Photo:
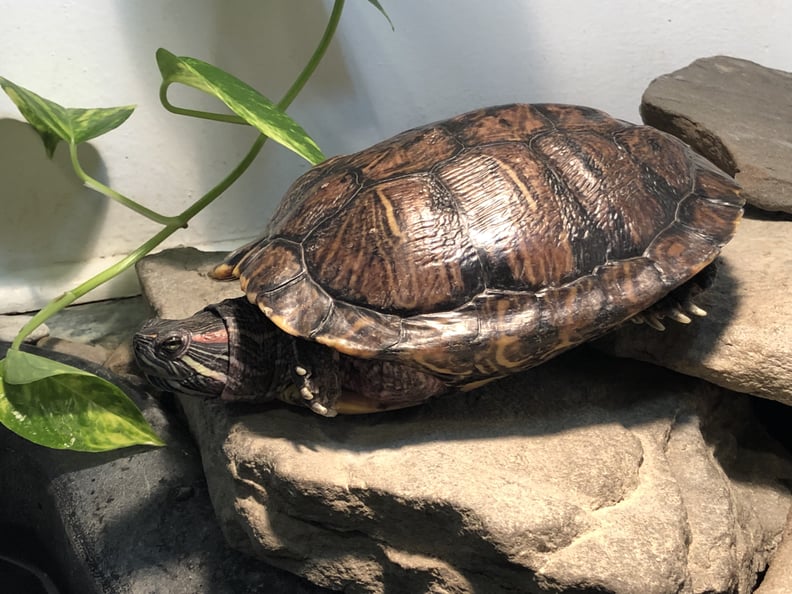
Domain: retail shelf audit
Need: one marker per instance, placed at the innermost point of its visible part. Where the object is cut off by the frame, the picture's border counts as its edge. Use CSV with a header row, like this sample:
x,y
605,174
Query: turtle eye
x,y
172,346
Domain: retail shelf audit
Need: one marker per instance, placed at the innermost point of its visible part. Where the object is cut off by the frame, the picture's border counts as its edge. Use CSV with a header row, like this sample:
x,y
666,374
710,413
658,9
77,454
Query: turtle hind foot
x,y
678,312
679,304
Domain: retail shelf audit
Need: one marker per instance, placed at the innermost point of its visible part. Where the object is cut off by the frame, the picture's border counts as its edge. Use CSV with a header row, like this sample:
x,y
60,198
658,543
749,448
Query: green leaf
x,y
250,105
378,6
62,407
54,122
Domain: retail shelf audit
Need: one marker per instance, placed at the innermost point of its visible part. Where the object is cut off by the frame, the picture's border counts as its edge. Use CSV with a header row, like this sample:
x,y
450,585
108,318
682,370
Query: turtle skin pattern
x,y
483,245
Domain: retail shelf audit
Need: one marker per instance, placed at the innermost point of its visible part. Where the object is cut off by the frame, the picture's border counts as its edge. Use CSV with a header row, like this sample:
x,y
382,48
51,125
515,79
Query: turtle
x,y
451,255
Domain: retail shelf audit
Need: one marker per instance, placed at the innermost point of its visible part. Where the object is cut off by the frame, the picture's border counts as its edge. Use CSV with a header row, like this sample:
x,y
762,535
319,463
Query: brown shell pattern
x,y
487,243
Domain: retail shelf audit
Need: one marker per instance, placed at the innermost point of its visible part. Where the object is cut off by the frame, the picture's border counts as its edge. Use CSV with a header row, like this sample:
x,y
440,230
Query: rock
x,y
586,473
102,323
135,520
612,486
745,342
10,325
177,282
736,113
778,579
87,352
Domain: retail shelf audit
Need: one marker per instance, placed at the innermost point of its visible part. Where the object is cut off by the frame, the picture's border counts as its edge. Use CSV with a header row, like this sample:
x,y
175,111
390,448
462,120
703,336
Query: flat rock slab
x,y
745,342
736,113
585,473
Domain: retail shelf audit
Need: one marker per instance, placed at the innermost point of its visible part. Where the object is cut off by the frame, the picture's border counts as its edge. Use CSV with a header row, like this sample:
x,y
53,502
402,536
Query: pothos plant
x,y
63,407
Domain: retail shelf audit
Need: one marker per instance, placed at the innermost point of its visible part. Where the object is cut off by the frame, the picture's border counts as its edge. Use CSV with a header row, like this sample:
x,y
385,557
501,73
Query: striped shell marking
x,y
484,244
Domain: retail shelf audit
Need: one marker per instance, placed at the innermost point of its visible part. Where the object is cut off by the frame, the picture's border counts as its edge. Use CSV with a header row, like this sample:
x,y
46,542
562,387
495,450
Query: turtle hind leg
x,y
329,383
679,304
375,385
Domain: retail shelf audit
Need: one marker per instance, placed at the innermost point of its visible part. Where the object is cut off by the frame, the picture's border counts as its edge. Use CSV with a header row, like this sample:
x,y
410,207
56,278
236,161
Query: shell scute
x,y
406,154
518,239
400,247
269,265
314,197
516,123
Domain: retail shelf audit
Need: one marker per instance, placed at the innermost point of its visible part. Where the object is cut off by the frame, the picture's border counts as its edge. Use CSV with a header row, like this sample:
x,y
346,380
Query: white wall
x,y
445,56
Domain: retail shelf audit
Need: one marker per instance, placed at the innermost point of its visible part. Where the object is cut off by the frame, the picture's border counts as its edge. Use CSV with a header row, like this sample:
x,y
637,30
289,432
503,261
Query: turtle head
x,y
229,349
189,356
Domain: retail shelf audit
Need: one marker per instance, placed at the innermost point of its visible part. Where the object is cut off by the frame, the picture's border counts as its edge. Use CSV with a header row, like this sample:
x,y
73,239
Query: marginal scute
x,y
514,330
441,343
631,285
358,331
578,309
305,304
713,186
681,252
709,217
270,265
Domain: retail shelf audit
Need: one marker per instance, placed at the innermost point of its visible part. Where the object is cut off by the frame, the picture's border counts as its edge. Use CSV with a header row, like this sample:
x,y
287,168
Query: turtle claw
x,y
694,309
322,410
653,321
676,314
311,399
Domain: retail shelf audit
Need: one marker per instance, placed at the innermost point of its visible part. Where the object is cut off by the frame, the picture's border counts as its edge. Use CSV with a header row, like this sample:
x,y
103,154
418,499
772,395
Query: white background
x,y
445,57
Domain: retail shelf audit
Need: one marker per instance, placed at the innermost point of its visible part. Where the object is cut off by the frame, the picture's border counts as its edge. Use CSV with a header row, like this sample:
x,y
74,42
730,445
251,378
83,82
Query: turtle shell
x,y
484,244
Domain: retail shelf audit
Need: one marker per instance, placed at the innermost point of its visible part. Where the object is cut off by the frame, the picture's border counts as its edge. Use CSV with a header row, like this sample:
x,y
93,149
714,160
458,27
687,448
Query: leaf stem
x,y
173,224
196,113
98,186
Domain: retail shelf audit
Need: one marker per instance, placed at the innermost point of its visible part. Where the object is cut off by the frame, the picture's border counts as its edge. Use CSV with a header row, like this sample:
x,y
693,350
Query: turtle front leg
x,y
315,373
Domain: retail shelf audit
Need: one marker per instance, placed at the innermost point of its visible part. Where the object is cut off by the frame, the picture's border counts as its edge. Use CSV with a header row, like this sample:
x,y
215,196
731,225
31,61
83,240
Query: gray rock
x,y
107,324
136,521
745,342
10,325
587,472
736,113
176,281
92,353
